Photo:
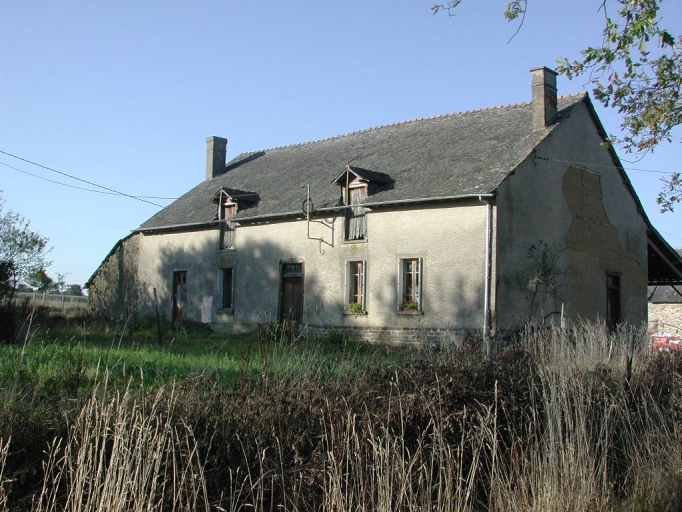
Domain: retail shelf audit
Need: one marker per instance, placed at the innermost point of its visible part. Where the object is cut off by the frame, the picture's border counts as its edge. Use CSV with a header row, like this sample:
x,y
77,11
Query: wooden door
x,y
291,301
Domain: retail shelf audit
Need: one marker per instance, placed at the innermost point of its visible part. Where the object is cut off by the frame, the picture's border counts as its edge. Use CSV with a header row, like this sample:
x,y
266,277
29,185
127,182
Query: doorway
x,y
291,300
179,293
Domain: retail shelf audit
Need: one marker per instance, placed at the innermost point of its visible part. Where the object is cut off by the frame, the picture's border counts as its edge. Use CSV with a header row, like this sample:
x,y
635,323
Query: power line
x,y
58,182
670,234
72,220
80,188
600,165
116,192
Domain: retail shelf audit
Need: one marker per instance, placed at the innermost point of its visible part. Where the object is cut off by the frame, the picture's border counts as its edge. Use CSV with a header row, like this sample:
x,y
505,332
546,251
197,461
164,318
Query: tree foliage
x,y
22,251
39,280
636,70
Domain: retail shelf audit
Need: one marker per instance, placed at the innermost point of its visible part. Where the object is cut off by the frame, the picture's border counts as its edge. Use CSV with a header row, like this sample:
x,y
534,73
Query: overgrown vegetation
x,y
561,420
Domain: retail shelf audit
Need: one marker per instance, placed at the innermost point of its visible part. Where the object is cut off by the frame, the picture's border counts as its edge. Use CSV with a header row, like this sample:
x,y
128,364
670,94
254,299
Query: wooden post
x,y
631,351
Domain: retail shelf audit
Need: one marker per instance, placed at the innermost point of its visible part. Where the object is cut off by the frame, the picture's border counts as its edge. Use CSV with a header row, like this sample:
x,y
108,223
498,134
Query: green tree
x,y
22,251
636,70
74,289
39,280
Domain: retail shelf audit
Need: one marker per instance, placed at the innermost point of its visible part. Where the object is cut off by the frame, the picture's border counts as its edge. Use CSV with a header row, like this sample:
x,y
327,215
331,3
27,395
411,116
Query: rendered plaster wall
x,y
569,199
160,255
114,291
450,240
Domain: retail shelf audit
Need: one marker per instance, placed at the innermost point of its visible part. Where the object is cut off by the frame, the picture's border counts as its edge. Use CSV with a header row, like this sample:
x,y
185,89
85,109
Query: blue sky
x,y
123,94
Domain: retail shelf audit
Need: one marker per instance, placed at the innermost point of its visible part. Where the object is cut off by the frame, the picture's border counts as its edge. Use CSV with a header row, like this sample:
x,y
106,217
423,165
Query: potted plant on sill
x,y
409,305
355,308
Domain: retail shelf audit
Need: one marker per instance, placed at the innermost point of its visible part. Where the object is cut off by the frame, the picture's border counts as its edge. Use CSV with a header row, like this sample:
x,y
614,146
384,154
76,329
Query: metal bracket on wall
x,y
309,210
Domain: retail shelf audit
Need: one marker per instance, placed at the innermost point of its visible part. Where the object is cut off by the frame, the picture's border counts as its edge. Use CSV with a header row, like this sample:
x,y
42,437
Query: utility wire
x,y
58,182
116,192
80,188
600,165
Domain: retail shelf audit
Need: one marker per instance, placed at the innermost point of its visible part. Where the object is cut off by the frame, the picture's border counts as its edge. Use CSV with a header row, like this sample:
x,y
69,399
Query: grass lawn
x,y
65,360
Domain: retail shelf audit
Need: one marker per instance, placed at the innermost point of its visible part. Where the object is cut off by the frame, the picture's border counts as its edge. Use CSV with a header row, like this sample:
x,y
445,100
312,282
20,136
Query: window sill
x,y
358,241
410,312
225,311
350,313
231,249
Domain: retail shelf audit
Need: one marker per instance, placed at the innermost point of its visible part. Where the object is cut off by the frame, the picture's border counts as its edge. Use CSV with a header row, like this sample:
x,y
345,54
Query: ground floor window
x,y
226,288
355,286
613,306
410,282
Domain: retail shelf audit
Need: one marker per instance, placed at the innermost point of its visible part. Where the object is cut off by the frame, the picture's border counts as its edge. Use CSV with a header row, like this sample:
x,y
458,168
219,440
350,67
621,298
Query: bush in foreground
x,y
560,421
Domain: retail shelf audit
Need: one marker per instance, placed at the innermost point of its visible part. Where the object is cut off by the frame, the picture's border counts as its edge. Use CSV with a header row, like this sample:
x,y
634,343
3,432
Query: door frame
x,y
175,313
287,275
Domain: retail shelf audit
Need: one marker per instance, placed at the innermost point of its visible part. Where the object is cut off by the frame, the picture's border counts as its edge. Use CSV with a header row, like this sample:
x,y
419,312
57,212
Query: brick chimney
x,y
544,103
216,156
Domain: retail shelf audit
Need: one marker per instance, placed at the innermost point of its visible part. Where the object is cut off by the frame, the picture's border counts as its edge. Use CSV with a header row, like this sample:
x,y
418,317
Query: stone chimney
x,y
544,103
216,156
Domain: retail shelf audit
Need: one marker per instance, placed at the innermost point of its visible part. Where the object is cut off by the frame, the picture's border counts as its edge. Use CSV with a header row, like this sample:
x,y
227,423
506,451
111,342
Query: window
x,y
227,209
226,289
410,282
356,225
613,312
355,286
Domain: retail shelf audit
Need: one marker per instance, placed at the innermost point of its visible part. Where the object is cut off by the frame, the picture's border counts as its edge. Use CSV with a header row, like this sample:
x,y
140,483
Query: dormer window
x,y
229,202
357,185
355,216
226,211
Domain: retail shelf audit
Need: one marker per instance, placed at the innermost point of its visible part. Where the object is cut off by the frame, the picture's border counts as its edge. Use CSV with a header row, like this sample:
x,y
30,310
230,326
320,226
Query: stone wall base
x,y
665,317
427,336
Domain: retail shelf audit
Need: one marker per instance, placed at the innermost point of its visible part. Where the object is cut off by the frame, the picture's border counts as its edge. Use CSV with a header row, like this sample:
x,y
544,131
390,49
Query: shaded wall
x,y
570,197
450,239
115,289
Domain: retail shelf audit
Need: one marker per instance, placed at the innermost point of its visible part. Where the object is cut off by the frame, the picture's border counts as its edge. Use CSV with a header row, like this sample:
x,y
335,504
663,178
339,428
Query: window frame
x,y
227,208
614,300
221,289
416,295
354,192
350,291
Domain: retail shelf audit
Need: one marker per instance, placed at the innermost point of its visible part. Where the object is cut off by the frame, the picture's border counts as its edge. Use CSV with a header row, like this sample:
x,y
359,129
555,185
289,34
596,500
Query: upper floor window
x,y
226,211
357,185
229,203
356,221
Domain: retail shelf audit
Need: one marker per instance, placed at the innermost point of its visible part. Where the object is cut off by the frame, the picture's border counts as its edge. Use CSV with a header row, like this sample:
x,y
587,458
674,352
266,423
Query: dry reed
x,y
567,420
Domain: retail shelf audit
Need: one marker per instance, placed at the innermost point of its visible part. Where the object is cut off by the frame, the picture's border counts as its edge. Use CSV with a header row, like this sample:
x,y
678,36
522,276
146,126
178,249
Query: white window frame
x,y
417,289
221,289
347,284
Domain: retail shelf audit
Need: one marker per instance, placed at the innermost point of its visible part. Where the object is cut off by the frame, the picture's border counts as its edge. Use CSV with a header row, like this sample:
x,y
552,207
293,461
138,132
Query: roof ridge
x,y
426,118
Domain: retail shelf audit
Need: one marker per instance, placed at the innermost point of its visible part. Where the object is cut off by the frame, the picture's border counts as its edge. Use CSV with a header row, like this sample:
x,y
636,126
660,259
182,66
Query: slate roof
x,y
453,155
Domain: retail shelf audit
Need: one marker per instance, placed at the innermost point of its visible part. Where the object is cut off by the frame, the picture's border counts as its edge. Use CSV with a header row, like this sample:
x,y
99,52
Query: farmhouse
x,y
480,220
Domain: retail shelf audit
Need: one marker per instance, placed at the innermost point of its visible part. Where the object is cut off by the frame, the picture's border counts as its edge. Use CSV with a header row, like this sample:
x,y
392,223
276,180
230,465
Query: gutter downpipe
x,y
487,288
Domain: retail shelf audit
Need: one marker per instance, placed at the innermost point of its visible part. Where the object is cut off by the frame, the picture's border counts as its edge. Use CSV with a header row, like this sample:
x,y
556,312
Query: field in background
x,y
92,418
